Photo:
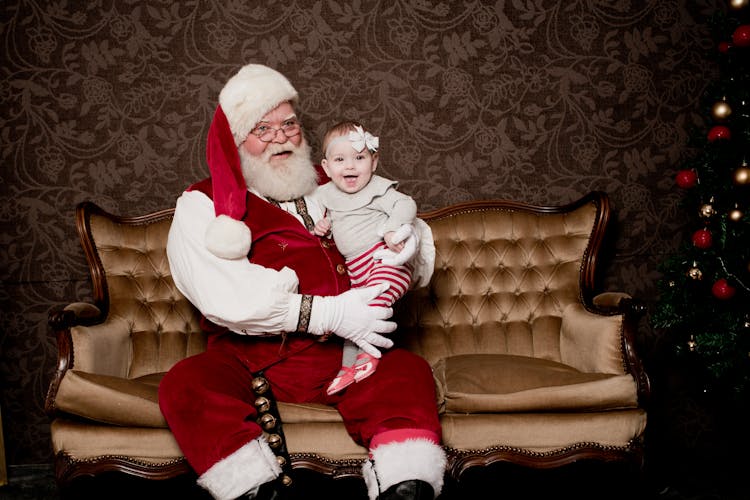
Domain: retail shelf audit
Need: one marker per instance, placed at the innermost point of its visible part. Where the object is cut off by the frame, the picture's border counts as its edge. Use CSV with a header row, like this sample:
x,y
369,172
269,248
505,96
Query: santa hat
x,y
246,98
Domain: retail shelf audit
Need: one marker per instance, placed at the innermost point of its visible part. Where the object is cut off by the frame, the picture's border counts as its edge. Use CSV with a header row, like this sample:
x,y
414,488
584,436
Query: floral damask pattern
x,y
538,101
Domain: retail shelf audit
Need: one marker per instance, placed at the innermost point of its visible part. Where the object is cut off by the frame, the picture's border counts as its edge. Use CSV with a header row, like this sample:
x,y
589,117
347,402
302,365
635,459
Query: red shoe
x,y
364,366
344,379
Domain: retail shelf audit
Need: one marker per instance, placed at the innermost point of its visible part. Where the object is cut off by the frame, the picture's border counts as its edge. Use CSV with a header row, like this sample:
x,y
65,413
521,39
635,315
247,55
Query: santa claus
x,y
276,298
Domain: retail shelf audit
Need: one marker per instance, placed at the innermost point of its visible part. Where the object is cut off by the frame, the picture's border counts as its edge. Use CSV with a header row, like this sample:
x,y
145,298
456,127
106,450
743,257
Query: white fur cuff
x,y
228,238
246,469
402,461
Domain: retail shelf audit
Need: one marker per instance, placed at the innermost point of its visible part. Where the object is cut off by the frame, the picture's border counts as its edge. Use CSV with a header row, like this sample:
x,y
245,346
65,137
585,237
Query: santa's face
x,y
281,168
274,119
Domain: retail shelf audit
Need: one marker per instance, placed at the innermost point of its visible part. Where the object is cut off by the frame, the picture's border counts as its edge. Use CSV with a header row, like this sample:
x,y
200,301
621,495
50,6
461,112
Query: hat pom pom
x,y
228,238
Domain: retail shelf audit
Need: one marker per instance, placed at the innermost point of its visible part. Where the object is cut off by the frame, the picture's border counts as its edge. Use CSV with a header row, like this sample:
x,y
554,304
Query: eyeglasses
x,y
265,133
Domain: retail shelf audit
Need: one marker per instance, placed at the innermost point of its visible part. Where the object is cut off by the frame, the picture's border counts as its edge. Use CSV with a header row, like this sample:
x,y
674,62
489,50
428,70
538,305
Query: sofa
x,y
533,363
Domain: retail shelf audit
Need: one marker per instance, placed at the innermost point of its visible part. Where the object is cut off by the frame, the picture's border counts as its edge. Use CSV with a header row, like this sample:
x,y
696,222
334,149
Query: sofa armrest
x,y
75,313
90,341
603,339
87,342
591,341
619,302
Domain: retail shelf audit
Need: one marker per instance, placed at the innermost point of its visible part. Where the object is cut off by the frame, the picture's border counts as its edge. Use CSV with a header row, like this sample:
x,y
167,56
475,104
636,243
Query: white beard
x,y
294,178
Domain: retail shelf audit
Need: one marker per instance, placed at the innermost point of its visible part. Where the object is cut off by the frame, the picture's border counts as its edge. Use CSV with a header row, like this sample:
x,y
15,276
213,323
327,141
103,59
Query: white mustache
x,y
273,149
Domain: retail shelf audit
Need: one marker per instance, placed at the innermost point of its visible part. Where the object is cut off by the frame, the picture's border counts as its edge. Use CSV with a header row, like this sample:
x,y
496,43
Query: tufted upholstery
x,y
530,366
113,353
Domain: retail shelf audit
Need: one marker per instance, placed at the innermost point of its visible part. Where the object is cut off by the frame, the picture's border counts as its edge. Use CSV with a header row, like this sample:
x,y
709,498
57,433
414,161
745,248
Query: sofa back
x,y
504,273
132,285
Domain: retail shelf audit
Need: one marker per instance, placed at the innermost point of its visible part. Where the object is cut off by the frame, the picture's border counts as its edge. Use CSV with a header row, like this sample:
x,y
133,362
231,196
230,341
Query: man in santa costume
x,y
276,299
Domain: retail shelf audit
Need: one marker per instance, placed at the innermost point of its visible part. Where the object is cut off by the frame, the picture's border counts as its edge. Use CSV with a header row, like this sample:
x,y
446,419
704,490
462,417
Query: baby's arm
x,y
322,227
395,247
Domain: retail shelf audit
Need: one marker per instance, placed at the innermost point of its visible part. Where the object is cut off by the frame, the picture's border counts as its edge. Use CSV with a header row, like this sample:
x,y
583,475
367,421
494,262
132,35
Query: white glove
x,y
350,316
391,258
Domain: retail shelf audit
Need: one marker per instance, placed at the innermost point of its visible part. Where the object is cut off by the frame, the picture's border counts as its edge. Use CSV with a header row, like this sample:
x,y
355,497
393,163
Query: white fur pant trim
x,y
246,469
393,463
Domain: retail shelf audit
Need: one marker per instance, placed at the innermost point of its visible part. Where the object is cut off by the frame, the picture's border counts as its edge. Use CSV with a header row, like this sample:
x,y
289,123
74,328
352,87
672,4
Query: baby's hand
x,y
322,227
395,247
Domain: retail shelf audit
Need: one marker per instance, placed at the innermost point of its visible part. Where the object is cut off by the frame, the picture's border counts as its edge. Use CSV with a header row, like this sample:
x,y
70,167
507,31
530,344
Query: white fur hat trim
x,y
228,238
250,94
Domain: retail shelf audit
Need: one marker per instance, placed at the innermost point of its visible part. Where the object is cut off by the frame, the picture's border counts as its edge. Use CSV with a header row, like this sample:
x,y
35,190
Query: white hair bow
x,y
361,139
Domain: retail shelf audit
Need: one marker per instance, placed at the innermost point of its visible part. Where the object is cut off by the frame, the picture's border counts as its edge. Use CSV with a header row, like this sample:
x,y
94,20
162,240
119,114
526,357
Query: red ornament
x,y
702,238
723,290
741,36
686,178
719,132
724,47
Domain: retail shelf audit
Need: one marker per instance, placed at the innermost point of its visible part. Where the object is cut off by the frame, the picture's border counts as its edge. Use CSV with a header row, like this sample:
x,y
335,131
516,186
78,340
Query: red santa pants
x,y
208,401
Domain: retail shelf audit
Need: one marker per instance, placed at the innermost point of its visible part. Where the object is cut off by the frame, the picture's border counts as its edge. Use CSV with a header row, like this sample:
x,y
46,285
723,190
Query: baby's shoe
x,y
343,379
364,366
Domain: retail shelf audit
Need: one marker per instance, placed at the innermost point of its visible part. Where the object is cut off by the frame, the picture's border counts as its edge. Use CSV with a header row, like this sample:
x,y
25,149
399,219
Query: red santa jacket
x,y
280,240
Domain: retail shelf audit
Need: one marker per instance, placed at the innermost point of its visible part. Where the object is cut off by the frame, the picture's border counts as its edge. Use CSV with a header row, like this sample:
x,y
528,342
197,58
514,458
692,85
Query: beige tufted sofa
x,y
530,365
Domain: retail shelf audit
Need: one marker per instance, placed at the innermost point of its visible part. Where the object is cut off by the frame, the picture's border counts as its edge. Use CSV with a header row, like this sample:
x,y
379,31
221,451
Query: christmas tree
x,y
704,293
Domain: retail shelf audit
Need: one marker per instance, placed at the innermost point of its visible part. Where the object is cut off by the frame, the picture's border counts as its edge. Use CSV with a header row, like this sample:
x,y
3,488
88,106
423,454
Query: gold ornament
x,y
281,460
735,214
695,273
707,211
692,344
738,4
721,110
742,174
286,480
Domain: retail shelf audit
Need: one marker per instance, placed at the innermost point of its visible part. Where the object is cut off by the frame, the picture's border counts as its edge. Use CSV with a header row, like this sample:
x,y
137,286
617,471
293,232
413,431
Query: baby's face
x,y
349,169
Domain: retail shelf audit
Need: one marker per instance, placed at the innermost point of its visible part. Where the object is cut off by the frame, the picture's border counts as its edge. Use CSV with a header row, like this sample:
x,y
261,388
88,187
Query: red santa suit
x,y
252,310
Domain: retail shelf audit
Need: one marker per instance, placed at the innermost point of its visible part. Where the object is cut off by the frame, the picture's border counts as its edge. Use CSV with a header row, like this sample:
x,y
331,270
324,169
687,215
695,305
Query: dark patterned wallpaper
x,y
538,101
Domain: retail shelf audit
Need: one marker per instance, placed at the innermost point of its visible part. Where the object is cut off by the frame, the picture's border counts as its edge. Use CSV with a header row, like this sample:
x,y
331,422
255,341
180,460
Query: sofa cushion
x,y
295,413
473,383
112,400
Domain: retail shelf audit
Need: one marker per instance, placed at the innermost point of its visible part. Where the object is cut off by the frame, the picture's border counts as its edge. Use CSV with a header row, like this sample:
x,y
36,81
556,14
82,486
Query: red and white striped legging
x,y
365,271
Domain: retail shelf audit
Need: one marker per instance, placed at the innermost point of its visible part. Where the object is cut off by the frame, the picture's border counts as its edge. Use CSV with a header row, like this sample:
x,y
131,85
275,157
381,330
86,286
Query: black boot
x,y
275,490
414,489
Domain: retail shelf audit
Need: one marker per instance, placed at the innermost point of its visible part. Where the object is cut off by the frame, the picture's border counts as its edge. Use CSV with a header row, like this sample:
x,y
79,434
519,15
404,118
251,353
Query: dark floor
x,y
583,481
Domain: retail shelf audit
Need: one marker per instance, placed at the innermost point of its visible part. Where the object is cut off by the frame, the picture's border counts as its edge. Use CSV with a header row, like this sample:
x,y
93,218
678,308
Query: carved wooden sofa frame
x,y
532,366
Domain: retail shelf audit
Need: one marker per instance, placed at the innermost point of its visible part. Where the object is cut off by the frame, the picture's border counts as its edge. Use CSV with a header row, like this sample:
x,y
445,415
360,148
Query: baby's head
x,y
350,156
344,129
